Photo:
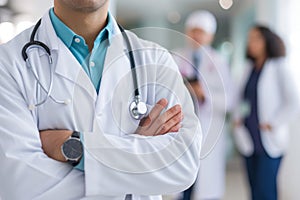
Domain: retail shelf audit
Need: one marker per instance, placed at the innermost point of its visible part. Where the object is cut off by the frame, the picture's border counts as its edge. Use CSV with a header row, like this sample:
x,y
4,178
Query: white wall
x,y
240,23
289,28
281,16
266,12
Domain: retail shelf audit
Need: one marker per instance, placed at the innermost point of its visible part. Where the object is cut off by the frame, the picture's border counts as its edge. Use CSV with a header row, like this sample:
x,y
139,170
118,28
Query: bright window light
x,y
21,26
7,31
3,2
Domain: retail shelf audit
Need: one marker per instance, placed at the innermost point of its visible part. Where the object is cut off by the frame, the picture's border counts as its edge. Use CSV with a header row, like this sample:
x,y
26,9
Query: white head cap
x,y
202,19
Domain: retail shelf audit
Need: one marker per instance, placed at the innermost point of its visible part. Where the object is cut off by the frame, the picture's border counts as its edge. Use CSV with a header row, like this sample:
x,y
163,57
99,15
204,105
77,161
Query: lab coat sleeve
x,y
118,165
290,104
26,172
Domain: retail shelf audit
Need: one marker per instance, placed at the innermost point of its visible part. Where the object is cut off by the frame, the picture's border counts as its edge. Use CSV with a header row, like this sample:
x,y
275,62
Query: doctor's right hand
x,y
157,123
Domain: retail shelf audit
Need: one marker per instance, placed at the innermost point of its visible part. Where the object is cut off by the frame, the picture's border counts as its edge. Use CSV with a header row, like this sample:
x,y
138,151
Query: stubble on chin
x,y
89,6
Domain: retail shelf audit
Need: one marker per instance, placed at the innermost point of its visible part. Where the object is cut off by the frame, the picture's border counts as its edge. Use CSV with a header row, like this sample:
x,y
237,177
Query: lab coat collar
x,y
47,34
66,64
117,46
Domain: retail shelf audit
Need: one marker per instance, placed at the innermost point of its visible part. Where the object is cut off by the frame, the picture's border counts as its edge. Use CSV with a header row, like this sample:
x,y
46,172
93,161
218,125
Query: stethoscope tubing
x,y
135,105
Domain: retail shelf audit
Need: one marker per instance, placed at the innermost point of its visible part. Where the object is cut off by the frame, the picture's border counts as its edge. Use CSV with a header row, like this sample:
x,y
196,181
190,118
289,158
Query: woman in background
x,y
268,100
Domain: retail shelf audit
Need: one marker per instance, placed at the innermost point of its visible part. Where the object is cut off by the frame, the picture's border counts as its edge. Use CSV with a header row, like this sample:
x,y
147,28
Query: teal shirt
x,y
92,62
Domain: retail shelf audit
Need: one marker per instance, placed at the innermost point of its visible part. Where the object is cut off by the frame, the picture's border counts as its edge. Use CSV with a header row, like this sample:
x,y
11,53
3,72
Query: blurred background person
x,y
208,78
267,100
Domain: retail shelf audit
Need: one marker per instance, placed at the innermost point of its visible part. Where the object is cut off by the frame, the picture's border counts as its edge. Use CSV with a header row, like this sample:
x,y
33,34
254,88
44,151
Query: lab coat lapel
x,y
66,65
116,66
69,68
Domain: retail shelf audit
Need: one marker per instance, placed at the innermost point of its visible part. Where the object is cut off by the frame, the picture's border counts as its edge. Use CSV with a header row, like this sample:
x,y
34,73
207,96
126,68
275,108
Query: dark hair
x,y
274,44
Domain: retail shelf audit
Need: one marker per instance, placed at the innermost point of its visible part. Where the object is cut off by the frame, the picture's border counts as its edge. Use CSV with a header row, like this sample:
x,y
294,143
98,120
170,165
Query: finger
x,y
172,129
167,126
162,119
175,128
145,122
170,113
159,123
157,109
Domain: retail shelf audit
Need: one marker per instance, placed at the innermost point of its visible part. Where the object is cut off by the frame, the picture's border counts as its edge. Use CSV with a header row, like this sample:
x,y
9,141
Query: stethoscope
x,y
137,108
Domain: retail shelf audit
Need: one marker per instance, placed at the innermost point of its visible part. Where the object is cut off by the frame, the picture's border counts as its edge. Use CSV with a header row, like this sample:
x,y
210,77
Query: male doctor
x,y
208,77
117,157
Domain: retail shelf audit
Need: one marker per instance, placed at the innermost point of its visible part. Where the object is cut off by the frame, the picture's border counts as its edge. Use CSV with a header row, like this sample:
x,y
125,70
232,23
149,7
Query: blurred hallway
x,y
236,185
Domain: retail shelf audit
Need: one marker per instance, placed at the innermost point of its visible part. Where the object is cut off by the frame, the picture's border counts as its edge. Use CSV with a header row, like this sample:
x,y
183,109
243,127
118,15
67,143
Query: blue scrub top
x,y
251,121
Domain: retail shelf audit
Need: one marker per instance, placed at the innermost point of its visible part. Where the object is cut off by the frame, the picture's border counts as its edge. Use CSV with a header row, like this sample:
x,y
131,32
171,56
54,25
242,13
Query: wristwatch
x,y
72,149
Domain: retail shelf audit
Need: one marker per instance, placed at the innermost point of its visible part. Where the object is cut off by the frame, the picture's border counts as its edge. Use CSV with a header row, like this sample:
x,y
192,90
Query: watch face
x,y
72,149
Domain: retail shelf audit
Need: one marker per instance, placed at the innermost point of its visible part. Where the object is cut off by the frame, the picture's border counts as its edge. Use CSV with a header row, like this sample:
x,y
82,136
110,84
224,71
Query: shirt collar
x,y
67,35
107,32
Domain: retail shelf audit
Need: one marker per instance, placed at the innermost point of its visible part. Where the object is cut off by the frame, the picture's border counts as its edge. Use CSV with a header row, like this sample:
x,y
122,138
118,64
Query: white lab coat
x,y
278,103
214,76
117,162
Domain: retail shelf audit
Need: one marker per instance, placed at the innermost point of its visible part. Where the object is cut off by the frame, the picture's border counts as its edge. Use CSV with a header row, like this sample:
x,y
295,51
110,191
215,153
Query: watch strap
x,y
74,163
76,134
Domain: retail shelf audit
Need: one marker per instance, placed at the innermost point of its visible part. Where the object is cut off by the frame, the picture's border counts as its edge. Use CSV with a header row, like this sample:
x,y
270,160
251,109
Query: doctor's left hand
x,y
159,122
52,140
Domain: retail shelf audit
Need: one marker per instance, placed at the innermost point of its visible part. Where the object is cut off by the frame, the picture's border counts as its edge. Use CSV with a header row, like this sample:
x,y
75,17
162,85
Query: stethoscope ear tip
x,y
67,101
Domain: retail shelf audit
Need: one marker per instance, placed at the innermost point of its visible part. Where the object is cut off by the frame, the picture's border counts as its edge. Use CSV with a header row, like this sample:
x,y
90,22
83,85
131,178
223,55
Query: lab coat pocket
x,y
243,140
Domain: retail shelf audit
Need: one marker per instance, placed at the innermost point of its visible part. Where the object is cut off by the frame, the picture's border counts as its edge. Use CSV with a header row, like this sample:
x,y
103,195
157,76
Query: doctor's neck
x,y
85,22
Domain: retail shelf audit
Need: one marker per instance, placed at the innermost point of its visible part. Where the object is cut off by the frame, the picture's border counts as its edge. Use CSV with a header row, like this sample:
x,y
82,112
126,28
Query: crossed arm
x,y
156,123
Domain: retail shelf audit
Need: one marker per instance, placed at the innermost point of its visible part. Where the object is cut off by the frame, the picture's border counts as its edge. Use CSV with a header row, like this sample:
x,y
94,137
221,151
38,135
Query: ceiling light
x,y
226,4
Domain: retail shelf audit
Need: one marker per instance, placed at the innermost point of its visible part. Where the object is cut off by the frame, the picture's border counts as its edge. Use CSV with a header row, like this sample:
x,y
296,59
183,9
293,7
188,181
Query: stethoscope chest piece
x,y
138,109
